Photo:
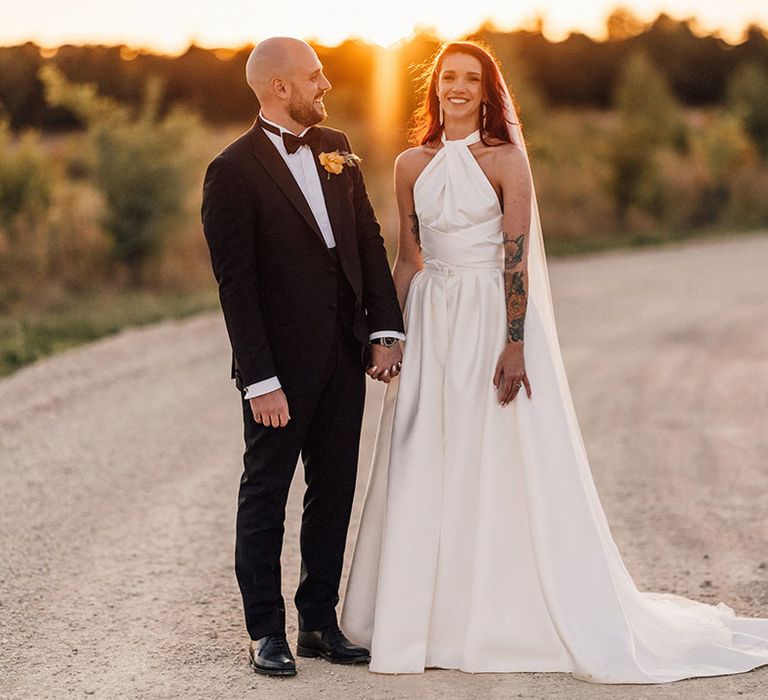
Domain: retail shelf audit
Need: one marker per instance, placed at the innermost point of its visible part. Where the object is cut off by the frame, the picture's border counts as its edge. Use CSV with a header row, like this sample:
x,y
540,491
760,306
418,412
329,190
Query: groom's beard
x,y
306,112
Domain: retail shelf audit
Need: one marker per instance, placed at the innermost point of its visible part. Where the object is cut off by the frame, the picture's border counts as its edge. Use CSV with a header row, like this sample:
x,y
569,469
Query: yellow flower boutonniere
x,y
335,161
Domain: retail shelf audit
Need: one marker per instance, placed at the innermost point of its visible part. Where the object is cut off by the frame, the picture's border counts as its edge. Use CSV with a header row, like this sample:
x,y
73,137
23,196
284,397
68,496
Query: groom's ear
x,y
281,88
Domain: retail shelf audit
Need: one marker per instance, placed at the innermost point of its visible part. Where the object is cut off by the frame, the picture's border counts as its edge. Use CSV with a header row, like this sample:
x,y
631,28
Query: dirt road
x,y
119,467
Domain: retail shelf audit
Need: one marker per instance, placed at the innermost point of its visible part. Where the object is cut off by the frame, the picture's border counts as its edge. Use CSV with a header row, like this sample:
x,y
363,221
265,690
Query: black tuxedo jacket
x,y
277,280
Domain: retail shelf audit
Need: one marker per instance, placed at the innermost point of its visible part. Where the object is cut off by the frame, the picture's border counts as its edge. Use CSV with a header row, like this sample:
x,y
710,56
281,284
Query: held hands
x,y
510,373
385,362
271,409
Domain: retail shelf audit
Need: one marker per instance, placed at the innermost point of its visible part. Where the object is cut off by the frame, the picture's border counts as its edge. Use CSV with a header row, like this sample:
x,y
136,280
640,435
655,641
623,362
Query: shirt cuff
x,y
262,387
386,334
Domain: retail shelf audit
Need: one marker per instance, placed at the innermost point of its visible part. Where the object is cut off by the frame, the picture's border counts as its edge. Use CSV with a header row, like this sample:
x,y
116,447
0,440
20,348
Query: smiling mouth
x,y
458,100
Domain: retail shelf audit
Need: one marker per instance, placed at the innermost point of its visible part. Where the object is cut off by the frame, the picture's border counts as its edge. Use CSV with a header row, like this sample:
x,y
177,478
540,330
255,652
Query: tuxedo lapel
x,y
274,164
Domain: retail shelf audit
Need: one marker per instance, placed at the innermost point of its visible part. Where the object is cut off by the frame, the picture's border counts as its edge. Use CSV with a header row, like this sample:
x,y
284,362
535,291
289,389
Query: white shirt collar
x,y
278,126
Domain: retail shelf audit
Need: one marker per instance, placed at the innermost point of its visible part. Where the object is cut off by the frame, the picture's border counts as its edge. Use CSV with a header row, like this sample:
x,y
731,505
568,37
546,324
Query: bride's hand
x,y
510,373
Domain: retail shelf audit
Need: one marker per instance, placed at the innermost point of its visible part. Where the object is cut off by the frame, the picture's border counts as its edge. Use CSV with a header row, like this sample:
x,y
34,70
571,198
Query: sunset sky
x,y
172,25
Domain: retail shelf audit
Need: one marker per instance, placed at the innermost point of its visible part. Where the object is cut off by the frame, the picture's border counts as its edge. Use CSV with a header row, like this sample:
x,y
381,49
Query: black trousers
x,y
325,430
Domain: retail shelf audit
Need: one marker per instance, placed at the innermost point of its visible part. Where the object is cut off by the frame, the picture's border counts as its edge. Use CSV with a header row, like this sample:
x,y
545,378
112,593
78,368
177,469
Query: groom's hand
x,y
385,362
271,409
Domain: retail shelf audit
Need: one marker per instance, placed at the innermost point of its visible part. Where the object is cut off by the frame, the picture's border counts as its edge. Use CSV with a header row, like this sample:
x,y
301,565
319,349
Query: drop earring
x,y
483,115
441,111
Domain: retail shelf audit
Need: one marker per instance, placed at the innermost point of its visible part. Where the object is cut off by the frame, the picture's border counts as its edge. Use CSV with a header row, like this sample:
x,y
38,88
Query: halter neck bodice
x,y
458,209
468,140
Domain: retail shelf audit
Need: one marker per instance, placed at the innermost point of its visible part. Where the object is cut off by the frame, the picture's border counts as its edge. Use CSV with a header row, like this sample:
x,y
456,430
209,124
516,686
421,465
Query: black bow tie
x,y
293,143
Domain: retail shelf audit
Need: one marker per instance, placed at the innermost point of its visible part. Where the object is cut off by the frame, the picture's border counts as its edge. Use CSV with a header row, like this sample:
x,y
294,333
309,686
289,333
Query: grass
x,y
567,248
570,170
27,335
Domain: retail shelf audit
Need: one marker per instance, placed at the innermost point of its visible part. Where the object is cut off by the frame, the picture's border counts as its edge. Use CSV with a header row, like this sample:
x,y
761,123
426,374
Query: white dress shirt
x,y
304,171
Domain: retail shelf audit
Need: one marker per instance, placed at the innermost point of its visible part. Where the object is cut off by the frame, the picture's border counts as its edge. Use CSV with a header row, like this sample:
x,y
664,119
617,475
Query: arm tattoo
x,y
415,226
514,286
516,257
516,328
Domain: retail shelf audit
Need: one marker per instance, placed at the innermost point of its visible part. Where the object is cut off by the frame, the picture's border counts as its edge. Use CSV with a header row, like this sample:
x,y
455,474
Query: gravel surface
x,y
119,468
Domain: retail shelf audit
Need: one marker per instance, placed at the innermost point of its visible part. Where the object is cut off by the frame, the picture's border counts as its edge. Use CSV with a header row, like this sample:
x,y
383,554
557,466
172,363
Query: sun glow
x,y
385,99
171,26
385,34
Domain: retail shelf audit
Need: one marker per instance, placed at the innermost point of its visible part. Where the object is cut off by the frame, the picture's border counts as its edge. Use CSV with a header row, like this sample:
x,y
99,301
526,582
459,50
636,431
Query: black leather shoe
x,y
332,645
272,656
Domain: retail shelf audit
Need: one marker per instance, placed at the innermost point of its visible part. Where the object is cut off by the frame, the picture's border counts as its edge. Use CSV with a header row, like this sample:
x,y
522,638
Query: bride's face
x,y
460,85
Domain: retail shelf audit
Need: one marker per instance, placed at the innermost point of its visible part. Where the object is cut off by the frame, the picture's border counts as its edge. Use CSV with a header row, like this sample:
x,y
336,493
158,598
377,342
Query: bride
x,y
483,545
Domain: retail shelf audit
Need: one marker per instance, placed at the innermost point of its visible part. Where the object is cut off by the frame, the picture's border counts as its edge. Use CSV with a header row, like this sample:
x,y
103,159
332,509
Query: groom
x,y
304,285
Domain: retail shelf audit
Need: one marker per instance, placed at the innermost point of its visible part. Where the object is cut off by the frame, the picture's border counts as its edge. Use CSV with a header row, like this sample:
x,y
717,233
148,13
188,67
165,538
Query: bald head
x,y
288,80
278,57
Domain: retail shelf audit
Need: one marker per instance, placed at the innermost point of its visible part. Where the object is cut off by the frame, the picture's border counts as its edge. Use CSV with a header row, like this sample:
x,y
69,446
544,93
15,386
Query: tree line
x,y
115,201
576,72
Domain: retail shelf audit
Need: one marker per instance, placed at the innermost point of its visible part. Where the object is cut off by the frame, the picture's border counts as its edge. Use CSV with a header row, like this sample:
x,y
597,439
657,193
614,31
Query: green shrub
x,y
649,120
25,182
748,98
143,164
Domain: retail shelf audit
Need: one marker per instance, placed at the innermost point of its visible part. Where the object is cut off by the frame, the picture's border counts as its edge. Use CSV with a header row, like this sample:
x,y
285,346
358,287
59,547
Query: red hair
x,y
426,119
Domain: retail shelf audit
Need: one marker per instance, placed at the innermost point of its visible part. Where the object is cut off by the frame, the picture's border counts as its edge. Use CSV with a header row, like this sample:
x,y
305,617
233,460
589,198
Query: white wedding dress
x,y
483,545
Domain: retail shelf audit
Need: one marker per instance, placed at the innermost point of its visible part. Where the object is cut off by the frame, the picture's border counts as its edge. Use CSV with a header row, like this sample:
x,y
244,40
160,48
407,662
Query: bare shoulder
x,y
410,163
510,166
510,155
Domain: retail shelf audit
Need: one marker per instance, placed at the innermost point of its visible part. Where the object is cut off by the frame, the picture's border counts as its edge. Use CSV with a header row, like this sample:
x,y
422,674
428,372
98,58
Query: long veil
x,y
612,632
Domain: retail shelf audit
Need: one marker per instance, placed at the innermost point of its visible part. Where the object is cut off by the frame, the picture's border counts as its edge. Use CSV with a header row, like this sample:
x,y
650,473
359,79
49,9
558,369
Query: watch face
x,y
388,342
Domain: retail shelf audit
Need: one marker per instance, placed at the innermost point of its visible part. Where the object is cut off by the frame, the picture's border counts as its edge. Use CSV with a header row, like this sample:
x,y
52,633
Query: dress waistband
x,y
440,268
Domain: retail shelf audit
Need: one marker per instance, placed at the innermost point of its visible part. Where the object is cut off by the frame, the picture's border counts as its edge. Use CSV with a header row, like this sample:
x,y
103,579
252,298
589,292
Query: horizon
x,y
215,31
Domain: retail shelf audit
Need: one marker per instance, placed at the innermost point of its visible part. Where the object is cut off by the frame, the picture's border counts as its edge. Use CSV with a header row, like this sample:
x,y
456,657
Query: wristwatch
x,y
387,342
